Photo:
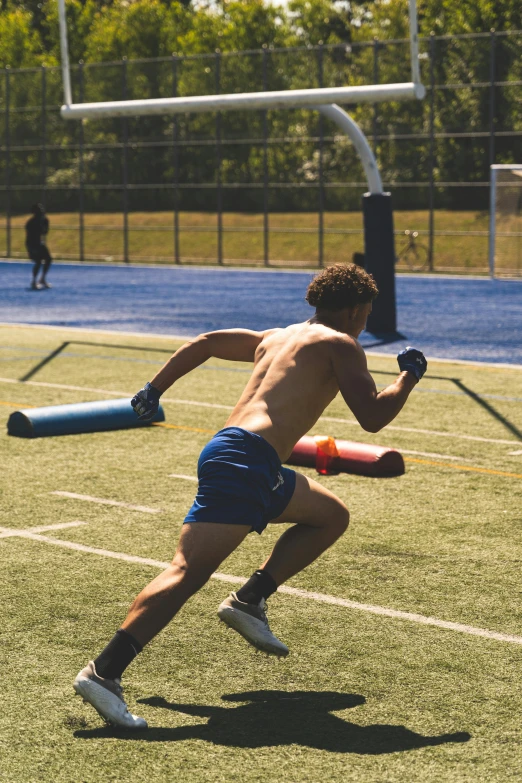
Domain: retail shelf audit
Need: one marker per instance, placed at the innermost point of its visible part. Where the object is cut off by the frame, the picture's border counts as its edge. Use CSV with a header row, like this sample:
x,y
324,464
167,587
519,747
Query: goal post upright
x,y
505,199
64,51
377,209
492,199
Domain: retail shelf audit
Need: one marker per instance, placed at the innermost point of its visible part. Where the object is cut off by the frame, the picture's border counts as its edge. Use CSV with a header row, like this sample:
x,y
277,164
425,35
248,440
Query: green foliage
x,y
20,45
206,36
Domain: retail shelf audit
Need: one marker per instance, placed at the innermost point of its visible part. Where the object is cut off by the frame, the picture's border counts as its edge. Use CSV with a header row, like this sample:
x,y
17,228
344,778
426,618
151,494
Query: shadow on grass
x,y
382,338
278,718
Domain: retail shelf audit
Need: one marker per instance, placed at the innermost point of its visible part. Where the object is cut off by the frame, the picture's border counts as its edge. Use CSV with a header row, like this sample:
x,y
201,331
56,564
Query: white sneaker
x,y
106,696
251,622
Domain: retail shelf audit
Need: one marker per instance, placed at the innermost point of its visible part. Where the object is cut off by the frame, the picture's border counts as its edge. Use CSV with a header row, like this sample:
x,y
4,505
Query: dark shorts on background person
x,y
34,252
39,253
241,481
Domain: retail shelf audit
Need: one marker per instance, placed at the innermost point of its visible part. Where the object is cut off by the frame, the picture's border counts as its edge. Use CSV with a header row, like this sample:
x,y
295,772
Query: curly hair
x,y
341,286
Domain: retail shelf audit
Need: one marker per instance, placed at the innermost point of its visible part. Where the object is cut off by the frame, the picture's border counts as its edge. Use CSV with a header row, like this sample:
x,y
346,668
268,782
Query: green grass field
x,y
362,697
461,240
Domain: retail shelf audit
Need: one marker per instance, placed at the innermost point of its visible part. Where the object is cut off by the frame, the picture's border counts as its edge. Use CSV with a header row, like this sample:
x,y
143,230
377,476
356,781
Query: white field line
x,y
437,433
41,529
185,338
67,387
176,401
183,476
310,596
515,453
229,408
85,330
433,454
105,502
466,362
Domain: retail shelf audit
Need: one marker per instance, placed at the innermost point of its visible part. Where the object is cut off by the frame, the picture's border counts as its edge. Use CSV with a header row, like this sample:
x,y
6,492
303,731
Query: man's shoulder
x,y
344,347
341,340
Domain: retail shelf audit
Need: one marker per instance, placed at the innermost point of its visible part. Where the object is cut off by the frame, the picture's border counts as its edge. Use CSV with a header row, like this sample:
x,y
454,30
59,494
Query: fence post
x,y
375,81
7,163
175,151
431,192
219,194
125,168
320,259
492,69
266,250
43,158
81,201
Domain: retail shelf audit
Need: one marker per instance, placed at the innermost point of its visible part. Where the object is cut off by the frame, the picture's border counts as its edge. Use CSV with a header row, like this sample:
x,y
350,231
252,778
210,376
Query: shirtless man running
x,y
242,485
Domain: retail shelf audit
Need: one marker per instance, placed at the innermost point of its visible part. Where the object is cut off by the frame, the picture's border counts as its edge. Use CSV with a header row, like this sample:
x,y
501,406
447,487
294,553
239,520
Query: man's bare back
x,y
297,373
292,383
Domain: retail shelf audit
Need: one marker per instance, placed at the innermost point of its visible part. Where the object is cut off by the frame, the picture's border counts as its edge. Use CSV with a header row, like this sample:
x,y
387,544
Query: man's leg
x,y
47,261
36,268
319,518
201,549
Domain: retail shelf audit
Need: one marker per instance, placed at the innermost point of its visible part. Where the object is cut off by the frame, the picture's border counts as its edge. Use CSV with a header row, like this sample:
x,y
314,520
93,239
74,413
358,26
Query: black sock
x,y
114,659
260,585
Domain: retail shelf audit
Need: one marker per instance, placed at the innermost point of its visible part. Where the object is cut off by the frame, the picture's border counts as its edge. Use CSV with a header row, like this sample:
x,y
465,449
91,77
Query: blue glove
x,y
146,402
412,360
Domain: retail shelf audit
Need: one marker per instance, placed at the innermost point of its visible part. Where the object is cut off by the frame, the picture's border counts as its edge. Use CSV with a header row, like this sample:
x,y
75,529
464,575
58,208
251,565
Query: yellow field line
x,y
406,459
465,467
16,404
180,427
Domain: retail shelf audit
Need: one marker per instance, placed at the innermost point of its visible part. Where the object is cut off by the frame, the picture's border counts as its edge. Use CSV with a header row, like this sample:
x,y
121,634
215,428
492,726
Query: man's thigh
x,y
311,504
45,254
203,546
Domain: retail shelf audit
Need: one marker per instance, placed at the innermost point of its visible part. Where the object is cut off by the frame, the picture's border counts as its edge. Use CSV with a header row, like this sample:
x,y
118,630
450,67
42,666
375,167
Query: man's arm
x,y
372,409
237,345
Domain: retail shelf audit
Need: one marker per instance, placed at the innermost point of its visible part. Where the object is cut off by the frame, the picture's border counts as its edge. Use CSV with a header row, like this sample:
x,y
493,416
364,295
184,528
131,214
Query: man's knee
x,y
340,519
188,577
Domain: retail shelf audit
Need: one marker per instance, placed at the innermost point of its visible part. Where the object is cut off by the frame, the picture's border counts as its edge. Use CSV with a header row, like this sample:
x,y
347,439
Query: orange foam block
x,y
346,457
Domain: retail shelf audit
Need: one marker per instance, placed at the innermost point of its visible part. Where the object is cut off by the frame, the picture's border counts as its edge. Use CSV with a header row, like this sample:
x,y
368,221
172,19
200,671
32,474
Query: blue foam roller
x,y
73,419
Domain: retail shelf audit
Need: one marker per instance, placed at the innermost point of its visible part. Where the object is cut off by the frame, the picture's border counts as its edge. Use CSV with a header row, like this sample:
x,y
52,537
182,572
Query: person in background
x,y
36,230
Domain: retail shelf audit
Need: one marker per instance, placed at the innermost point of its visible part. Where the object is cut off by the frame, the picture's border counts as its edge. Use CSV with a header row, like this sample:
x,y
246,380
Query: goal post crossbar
x,y
284,99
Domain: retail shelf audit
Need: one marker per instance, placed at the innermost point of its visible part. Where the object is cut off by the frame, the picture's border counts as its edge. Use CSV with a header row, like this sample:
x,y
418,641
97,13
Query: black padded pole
x,y
379,256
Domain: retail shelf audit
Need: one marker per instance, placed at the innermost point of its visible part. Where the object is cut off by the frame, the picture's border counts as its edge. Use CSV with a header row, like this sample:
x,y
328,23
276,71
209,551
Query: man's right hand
x,y
146,402
412,360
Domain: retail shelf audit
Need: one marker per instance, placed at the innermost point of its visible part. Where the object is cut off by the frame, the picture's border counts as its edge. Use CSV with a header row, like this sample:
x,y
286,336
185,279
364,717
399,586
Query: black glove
x,y
412,360
146,402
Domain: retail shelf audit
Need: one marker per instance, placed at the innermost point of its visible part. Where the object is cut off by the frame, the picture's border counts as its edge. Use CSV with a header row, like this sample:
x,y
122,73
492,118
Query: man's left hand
x,y
412,360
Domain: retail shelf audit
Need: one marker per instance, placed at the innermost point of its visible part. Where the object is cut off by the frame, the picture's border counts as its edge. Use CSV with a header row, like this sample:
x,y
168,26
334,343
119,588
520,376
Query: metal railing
x,y
262,187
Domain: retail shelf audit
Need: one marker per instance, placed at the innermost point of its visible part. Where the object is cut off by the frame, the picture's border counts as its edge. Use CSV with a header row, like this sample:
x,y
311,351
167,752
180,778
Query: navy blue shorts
x,y
241,481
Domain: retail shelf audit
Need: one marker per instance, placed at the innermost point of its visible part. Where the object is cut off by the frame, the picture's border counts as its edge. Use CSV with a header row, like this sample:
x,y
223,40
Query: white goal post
x,y
377,209
505,220
285,99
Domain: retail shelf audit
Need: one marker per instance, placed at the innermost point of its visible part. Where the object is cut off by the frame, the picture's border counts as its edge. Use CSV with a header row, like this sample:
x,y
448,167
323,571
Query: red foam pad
x,y
360,458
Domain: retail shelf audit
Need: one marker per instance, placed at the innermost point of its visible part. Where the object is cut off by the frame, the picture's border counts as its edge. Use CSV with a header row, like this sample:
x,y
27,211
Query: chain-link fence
x,y
278,188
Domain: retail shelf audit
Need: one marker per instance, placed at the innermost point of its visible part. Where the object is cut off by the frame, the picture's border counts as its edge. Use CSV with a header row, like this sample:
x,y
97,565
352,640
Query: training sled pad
x,y
346,456
99,416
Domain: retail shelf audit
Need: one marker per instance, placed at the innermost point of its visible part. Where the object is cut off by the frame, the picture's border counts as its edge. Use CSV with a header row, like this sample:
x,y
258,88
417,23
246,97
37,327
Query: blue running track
x,y
454,318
